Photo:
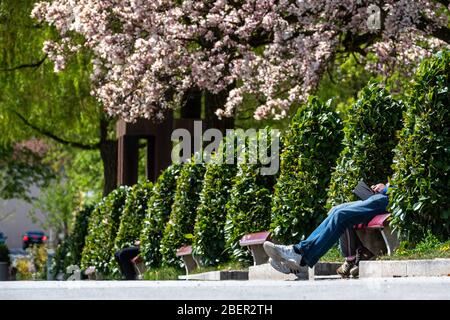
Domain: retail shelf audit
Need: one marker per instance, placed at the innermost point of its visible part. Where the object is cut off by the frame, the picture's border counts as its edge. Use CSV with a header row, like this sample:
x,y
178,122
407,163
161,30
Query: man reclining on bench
x,y
338,224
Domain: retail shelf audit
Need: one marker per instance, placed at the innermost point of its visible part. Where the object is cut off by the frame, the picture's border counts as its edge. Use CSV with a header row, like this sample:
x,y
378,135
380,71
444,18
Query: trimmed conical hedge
x,y
420,201
103,225
180,227
157,215
209,237
370,137
77,237
248,210
311,147
69,251
131,221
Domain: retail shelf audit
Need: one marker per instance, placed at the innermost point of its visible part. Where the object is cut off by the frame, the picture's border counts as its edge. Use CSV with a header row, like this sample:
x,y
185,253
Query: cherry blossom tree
x,y
148,54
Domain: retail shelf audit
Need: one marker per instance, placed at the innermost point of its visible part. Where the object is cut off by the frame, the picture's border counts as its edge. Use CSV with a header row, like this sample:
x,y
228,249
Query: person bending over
x,y
124,258
338,225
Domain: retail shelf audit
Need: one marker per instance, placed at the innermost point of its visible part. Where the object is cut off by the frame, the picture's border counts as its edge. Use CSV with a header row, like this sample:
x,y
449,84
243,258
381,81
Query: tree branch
x,y
26,65
56,138
444,2
442,32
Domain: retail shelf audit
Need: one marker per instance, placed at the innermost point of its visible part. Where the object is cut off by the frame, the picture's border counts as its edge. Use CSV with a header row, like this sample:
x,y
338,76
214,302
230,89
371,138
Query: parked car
x,y
33,237
2,238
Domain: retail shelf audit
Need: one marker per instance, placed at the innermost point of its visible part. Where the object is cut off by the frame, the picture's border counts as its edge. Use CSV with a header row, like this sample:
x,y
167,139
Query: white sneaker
x,y
283,254
279,266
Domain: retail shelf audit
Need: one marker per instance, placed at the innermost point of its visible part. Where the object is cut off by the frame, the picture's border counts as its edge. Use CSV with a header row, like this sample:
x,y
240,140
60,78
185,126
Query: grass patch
x,y
428,248
221,267
163,273
171,273
333,255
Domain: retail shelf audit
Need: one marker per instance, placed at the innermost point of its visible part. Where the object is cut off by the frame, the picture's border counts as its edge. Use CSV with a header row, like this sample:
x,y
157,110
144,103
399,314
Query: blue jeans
x,y
339,218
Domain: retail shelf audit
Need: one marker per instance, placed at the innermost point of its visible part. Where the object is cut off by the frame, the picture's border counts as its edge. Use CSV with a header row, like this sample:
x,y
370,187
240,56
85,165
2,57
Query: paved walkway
x,y
392,288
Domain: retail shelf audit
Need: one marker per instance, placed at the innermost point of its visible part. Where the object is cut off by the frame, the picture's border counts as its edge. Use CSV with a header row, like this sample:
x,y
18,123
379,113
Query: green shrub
x,y
69,251
248,209
370,137
59,259
102,230
421,202
77,237
131,221
157,215
209,237
311,147
179,228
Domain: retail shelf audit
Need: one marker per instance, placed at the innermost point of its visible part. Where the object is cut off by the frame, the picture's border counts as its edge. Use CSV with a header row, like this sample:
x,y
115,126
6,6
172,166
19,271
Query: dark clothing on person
x,y
123,258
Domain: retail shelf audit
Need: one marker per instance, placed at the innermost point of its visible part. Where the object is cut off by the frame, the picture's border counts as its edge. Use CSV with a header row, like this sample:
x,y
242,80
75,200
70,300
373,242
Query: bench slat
x,y
377,222
254,238
184,251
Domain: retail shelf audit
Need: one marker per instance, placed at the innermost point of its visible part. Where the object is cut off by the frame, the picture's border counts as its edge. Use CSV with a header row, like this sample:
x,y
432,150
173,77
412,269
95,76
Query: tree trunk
x,y
108,152
192,105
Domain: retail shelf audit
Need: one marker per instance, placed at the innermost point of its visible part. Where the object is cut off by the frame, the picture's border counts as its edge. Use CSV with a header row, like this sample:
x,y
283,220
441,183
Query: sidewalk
x,y
373,289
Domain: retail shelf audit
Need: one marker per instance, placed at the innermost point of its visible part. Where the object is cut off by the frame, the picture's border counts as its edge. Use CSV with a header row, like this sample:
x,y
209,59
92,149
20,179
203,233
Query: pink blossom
x,y
146,54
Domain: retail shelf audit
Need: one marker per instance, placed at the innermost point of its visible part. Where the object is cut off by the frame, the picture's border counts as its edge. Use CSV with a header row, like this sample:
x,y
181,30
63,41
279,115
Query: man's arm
x,y
381,188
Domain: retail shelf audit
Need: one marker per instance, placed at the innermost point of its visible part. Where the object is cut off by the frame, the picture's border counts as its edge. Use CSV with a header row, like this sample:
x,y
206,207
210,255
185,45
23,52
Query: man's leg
x,y
284,259
342,218
325,222
123,258
348,244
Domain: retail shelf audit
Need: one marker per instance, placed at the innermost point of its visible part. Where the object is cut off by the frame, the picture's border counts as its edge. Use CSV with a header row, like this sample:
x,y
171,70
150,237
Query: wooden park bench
x,y
379,223
255,241
190,263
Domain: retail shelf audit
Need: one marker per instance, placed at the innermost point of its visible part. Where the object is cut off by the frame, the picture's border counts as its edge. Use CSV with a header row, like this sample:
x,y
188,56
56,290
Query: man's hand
x,y
378,187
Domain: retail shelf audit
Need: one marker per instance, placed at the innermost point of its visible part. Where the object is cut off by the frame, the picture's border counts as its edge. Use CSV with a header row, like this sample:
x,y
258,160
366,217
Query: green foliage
x,y
103,225
60,103
163,273
311,147
4,253
157,215
248,209
37,102
209,237
420,202
77,237
20,167
333,255
69,251
428,248
346,77
370,137
59,259
131,220
57,202
179,228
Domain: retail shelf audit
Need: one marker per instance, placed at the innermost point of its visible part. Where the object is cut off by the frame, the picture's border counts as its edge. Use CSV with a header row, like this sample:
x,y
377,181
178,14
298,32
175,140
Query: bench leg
x,y
189,263
259,255
388,247
140,269
390,239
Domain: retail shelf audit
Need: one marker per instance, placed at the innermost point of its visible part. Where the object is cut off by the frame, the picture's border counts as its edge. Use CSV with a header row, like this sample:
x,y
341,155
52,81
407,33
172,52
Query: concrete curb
x,y
404,268
266,272
217,275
